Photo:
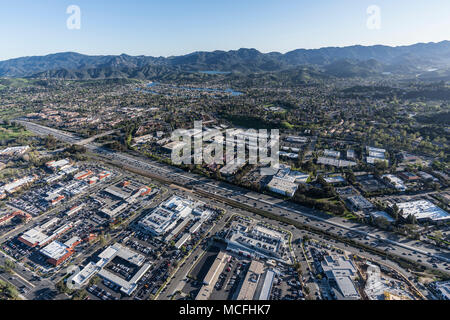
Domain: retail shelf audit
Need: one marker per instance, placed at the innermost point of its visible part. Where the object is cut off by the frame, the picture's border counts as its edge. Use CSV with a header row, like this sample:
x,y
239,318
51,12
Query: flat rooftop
x,y
423,209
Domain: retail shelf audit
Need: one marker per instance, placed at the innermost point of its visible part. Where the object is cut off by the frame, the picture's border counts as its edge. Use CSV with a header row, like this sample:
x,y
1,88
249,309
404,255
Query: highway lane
x,y
413,250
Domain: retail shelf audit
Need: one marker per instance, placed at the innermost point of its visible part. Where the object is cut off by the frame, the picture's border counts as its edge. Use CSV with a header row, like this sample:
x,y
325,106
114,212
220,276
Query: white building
x,y
17,184
423,210
258,241
335,162
82,277
359,203
14,151
342,272
332,153
285,172
166,216
282,186
396,182
59,165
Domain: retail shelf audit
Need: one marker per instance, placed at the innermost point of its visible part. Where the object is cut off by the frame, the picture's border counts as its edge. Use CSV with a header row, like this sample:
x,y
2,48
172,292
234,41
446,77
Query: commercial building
x,y
423,210
83,175
289,155
335,162
334,179
377,287
57,252
250,283
213,275
376,155
285,172
289,149
282,186
231,168
17,184
427,176
382,214
341,272
110,260
118,197
408,176
359,203
373,160
59,165
37,238
166,216
54,198
216,268
265,286
375,150
184,238
332,153
5,218
74,210
296,139
14,151
351,154
374,288
257,241
173,146
395,182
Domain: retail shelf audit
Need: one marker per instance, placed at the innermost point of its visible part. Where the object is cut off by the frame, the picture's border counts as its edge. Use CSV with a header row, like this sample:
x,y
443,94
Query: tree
x,y
9,266
80,295
8,291
411,219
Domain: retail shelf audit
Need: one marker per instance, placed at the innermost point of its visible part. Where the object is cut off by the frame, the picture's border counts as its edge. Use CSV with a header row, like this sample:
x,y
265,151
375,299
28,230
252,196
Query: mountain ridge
x,y
362,60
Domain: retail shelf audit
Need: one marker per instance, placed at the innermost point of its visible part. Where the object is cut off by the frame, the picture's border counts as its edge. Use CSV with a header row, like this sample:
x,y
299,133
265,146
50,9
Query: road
x,y
31,286
178,280
425,254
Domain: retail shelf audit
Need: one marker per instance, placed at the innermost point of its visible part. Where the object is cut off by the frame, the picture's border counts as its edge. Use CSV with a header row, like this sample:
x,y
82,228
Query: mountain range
x,y
352,61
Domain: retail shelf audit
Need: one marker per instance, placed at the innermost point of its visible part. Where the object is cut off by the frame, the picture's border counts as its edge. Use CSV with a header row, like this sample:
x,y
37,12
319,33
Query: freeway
x,y
424,254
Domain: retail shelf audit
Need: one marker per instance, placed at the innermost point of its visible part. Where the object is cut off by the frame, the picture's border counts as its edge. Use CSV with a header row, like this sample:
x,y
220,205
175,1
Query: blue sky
x,y
175,27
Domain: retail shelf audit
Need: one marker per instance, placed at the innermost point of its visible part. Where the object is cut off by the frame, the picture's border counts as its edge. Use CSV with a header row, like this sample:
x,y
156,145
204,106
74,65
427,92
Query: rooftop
x,y
423,209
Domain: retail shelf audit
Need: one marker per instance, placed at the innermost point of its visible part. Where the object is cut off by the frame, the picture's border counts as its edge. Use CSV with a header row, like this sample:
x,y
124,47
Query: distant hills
x,y
353,61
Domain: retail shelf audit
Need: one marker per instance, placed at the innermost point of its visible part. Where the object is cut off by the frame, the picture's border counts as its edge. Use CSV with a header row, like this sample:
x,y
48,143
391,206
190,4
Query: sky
x,y
177,27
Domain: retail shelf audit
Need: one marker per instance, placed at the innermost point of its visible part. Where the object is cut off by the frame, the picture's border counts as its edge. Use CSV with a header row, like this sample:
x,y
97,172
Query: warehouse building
x,y
250,283
423,210
265,286
212,276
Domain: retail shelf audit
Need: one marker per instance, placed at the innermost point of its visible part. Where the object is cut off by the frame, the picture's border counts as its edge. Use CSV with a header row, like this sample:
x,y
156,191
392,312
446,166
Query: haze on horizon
x,y
177,27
